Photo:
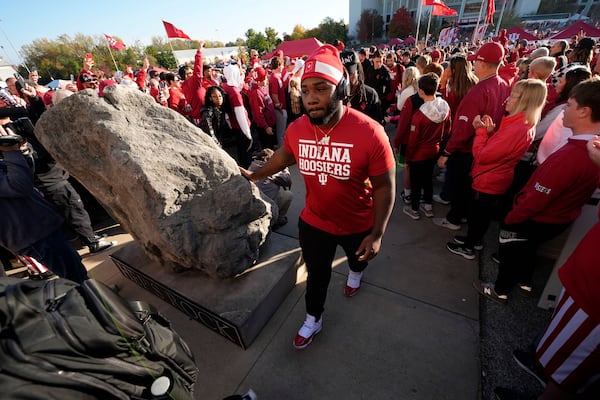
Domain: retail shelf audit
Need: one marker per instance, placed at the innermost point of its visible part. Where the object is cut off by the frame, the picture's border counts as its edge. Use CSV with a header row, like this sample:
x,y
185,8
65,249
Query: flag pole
x,y
428,24
478,19
500,17
418,23
111,54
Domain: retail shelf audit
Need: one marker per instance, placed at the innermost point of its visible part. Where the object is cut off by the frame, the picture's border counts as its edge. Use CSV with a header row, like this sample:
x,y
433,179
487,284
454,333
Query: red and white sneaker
x,y
353,283
307,332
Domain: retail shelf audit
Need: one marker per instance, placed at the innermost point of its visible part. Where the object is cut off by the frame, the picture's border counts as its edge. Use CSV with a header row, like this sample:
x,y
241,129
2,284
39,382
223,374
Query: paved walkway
x,y
412,332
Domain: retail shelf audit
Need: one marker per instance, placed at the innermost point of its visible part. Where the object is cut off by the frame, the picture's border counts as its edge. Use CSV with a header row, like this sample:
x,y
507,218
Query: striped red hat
x,y
324,63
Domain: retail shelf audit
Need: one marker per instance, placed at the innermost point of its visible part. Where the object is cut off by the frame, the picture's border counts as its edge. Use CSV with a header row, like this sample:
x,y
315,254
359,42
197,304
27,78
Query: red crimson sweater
x,y
428,126
261,104
192,87
558,188
487,97
495,156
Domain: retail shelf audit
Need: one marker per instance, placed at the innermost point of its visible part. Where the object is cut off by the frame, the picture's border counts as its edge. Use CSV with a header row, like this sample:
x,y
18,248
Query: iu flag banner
x,y
480,32
447,36
443,10
113,43
173,32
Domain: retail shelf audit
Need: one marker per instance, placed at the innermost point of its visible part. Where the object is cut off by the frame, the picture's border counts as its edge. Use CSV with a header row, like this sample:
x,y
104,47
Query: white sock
x,y
354,279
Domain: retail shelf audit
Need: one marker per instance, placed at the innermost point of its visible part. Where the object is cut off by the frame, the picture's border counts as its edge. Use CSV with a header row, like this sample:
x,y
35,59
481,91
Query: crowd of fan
x,y
508,124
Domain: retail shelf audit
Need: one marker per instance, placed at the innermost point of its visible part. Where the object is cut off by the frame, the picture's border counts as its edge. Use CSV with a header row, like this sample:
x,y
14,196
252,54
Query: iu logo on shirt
x,y
323,179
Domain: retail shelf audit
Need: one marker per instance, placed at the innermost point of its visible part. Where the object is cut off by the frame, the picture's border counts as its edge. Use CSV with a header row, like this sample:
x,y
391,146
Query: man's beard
x,y
332,109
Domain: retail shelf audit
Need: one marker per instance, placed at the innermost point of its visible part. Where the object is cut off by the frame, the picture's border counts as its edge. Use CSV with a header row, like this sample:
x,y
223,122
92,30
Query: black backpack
x,y
60,340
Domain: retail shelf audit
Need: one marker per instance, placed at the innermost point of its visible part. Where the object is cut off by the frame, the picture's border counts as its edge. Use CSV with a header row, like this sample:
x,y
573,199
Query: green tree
x,y
271,35
330,30
263,43
401,24
370,25
258,41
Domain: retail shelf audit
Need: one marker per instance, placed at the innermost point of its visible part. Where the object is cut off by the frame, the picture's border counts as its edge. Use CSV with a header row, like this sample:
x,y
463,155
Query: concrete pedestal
x,y
236,308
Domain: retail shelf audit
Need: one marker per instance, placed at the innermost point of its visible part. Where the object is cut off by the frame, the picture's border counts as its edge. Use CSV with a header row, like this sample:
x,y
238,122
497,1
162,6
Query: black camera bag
x,y
60,340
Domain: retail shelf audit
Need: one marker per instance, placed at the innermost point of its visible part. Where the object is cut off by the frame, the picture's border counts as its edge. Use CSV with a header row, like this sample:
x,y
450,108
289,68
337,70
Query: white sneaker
x,y
427,209
438,199
411,213
308,331
444,223
353,283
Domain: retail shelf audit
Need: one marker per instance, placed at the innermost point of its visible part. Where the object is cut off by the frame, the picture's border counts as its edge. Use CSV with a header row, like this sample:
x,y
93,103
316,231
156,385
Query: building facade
x,y
468,10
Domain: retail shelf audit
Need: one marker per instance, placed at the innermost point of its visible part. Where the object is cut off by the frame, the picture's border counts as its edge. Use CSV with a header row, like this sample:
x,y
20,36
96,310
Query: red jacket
x,y
261,104
496,156
406,114
193,89
487,97
428,126
558,188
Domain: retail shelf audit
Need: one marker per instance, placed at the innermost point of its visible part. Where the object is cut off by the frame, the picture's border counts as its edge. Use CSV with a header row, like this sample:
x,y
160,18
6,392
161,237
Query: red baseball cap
x,y
261,74
491,52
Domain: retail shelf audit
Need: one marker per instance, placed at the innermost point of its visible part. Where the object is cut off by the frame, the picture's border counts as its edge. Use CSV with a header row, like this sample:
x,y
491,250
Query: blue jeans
x,y
57,254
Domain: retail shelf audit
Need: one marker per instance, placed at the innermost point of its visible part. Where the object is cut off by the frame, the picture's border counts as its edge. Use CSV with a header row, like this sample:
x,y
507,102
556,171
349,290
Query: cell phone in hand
x,y
20,82
10,140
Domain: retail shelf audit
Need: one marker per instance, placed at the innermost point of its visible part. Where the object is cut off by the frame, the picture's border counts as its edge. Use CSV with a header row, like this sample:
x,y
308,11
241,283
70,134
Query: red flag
x,y
173,32
491,9
443,10
113,43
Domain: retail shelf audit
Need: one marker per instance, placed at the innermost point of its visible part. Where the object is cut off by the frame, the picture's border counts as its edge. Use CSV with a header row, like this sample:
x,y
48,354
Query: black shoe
x,y
461,250
96,238
280,222
100,245
42,277
527,361
463,240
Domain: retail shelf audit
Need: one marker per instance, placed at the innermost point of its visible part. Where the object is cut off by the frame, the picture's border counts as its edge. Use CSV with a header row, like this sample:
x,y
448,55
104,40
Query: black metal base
x,y
236,308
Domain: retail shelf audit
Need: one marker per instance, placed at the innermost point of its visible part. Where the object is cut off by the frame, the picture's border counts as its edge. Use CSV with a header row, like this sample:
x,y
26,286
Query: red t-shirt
x,y
276,87
338,195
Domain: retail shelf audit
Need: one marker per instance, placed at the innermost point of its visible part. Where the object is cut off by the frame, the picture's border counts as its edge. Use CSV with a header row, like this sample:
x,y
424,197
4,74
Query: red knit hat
x,y
324,63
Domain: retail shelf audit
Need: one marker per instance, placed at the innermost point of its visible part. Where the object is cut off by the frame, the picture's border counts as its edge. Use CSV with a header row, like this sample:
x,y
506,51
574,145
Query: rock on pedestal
x,y
163,179
236,308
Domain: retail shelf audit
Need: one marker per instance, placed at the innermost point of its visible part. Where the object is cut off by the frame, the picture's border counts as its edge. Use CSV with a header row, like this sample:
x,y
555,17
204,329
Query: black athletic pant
x,y
517,251
69,205
459,174
318,251
481,213
421,175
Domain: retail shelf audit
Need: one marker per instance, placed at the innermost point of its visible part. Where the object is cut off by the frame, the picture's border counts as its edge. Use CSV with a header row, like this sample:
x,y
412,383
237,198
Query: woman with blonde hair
x,y
410,87
495,157
410,81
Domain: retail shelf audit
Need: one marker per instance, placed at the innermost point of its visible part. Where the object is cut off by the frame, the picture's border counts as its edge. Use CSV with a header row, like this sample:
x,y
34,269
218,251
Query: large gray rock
x,y
163,179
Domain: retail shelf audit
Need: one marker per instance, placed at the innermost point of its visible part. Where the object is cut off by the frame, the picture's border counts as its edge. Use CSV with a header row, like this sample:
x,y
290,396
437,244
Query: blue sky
x,y
139,21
